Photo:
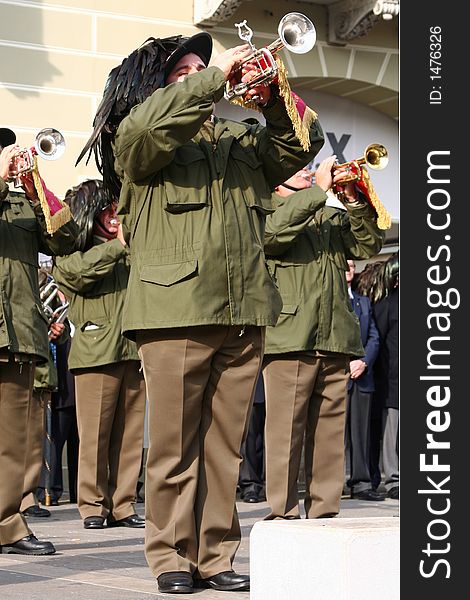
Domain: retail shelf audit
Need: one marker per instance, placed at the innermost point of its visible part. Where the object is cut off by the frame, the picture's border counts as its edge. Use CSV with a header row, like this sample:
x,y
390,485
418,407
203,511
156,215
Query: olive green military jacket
x,y
23,323
95,284
308,244
195,209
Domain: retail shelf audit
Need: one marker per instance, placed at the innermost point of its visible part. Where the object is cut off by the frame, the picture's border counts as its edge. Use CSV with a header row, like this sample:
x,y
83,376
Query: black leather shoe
x,y
250,497
394,493
28,545
228,581
36,511
93,523
370,494
175,582
132,521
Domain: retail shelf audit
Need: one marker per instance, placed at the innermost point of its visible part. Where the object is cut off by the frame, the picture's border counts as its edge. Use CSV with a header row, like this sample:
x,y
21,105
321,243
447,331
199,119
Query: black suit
x,y
386,396
360,399
252,469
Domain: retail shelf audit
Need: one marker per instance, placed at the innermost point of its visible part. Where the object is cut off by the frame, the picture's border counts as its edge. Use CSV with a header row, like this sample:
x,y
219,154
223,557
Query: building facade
x,y
56,55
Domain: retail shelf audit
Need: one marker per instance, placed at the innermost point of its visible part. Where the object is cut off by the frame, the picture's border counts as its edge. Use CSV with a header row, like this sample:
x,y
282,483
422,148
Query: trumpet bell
x,y
50,144
297,32
376,156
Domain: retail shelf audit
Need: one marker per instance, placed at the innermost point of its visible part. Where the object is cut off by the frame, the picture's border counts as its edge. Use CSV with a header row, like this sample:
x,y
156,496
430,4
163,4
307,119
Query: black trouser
x,y
64,429
252,469
358,436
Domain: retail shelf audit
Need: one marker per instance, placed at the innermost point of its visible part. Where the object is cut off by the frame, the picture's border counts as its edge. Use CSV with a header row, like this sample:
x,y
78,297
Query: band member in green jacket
x,y
109,385
306,365
195,193
23,336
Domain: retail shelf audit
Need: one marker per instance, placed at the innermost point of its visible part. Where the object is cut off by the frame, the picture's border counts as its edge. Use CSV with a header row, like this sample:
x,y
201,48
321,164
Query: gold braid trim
x,y
301,124
61,217
384,220
238,100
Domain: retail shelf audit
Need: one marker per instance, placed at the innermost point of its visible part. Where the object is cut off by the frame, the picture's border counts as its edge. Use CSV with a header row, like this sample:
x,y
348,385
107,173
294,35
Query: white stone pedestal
x,y
325,559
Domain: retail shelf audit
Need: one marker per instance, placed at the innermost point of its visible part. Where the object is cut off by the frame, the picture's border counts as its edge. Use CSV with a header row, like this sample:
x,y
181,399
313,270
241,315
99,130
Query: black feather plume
x,y
128,84
86,200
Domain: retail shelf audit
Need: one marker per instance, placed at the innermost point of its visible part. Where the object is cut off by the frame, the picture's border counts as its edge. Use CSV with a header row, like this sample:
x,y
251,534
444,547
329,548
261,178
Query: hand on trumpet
x,y
27,183
323,174
230,60
56,330
7,161
328,177
258,93
233,62
345,192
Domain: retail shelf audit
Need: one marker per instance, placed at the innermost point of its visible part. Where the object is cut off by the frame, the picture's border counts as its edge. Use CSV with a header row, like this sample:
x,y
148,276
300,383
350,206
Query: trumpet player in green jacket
x,y
306,363
195,192
109,385
23,336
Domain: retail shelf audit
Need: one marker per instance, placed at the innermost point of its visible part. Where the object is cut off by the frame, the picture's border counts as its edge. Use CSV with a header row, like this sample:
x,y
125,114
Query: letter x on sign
x,y
338,146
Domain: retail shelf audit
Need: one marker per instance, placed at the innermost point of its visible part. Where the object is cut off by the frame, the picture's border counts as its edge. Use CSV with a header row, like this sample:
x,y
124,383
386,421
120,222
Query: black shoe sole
x,y
10,550
28,516
234,587
93,526
365,499
176,589
126,525
239,587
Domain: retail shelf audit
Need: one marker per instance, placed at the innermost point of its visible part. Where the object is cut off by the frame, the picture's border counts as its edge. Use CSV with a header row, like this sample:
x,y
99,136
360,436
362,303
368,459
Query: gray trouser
x,y
390,448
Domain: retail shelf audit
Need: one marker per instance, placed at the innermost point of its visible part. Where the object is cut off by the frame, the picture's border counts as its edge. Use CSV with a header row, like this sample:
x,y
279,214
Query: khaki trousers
x,y
34,447
16,384
110,402
305,401
200,384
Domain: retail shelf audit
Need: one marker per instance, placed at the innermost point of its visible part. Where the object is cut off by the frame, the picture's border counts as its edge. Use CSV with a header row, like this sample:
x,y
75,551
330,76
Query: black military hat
x,y
7,137
200,44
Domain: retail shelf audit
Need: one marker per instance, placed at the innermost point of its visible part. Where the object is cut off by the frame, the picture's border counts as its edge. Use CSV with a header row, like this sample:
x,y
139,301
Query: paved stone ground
x,y
109,564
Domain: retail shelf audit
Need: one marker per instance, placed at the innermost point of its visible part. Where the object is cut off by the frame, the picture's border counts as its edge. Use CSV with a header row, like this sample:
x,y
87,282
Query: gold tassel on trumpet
x,y
56,213
300,122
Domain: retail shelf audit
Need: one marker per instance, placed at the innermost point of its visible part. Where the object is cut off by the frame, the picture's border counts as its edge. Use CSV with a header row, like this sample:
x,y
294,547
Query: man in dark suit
x,y
386,314
252,478
360,389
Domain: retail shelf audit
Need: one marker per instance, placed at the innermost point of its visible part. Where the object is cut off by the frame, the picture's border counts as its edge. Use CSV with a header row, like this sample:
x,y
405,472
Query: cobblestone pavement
x,y
109,564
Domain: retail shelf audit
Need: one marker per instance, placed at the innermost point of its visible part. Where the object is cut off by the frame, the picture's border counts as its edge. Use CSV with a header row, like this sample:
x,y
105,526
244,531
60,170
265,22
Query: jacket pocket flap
x,y
247,155
289,309
26,223
168,274
188,154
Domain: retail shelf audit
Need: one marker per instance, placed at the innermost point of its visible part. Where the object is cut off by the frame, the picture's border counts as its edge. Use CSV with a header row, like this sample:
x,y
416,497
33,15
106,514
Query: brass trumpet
x,y
296,33
48,144
375,157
